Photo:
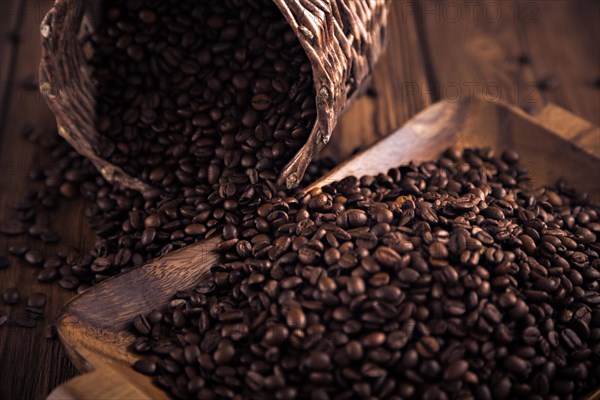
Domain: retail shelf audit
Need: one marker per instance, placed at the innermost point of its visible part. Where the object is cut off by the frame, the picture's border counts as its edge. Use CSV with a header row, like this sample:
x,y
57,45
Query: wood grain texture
x,y
96,326
10,26
418,57
560,39
474,47
397,93
30,365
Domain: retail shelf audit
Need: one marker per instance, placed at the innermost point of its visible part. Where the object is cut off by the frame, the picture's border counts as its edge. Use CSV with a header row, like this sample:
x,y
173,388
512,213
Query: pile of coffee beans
x,y
129,228
454,278
210,97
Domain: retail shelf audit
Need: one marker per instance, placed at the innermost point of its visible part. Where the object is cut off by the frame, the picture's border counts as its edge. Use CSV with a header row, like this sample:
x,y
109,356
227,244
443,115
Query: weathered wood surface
x,y
430,52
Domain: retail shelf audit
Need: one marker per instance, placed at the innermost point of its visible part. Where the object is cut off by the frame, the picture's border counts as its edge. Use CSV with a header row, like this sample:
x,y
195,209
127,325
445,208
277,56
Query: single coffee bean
x,y
356,286
373,339
296,318
225,353
427,347
34,257
276,335
4,263
517,365
69,282
145,367
37,300
456,370
48,275
18,249
493,213
10,296
12,227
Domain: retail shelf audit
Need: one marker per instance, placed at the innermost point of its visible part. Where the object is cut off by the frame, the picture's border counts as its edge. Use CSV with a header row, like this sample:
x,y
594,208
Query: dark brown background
x,y
437,49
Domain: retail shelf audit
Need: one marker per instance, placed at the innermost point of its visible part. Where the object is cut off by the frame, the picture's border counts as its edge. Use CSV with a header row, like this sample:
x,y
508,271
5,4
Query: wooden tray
x,y
95,326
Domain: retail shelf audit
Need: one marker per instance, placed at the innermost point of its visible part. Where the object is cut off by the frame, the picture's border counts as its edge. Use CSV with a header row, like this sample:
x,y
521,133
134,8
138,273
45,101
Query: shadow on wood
x,y
95,327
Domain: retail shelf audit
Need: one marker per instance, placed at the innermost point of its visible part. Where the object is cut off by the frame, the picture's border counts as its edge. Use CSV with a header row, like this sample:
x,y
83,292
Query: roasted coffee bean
x,y
456,370
517,365
571,339
373,339
225,353
10,296
48,275
354,350
438,250
18,249
34,257
356,286
37,300
296,318
387,256
12,227
4,263
145,367
69,282
276,335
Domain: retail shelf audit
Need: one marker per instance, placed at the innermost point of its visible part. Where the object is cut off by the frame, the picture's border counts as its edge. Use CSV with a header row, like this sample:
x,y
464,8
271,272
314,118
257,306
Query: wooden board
x,y
395,93
95,327
474,47
30,364
423,52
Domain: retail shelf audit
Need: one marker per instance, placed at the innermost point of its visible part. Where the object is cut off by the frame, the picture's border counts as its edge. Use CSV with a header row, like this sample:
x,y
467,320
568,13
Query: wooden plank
x,y
30,364
475,48
400,88
10,21
563,44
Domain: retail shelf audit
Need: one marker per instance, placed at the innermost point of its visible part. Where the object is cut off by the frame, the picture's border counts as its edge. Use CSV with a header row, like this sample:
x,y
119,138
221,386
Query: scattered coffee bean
x,y
12,227
18,249
37,300
10,296
48,275
4,263
34,258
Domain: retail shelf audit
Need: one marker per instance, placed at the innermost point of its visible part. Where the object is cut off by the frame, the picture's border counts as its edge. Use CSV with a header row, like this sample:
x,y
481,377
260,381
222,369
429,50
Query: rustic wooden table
x,y
437,49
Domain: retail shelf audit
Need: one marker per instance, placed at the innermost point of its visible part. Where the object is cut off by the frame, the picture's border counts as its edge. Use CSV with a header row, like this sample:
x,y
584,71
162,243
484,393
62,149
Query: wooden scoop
x,y
95,327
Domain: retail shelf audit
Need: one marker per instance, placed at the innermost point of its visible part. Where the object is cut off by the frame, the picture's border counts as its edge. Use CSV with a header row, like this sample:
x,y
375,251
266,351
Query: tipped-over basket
x,y
342,39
